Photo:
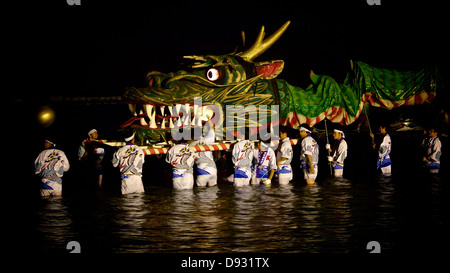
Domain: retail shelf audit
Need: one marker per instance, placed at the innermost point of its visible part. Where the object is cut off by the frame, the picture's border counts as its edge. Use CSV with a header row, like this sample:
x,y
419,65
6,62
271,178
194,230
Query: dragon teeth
x,y
178,108
178,122
151,113
148,108
132,108
186,120
143,122
199,113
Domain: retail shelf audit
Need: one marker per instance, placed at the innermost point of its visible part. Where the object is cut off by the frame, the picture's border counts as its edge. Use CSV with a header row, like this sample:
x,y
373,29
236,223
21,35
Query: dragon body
x,y
235,79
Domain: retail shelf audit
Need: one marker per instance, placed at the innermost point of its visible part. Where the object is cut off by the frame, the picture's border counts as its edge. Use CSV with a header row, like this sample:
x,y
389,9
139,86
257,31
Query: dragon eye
x,y
212,74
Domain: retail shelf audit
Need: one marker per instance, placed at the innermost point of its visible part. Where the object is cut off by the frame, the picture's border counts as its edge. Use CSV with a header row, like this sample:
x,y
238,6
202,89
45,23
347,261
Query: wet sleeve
x,y
273,161
115,159
65,162
307,147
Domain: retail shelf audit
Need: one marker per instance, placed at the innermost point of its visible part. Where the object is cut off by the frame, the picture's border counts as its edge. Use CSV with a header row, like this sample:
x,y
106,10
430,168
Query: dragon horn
x,y
261,44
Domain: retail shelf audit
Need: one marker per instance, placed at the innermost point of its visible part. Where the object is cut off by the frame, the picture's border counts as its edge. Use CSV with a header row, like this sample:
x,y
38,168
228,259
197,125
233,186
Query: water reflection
x,y
55,224
334,216
130,215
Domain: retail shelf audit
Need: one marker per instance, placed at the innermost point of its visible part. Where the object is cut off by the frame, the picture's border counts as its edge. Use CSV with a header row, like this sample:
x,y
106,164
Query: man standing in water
x,y
384,160
130,158
309,155
284,157
242,156
181,157
267,164
432,158
339,152
206,167
51,165
91,152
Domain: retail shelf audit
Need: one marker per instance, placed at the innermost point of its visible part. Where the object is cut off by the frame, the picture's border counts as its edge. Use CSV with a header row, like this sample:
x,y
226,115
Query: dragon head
x,y
233,79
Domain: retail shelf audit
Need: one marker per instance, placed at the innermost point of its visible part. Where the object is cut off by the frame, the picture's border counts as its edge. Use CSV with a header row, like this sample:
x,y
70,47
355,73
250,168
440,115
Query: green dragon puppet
x,y
235,79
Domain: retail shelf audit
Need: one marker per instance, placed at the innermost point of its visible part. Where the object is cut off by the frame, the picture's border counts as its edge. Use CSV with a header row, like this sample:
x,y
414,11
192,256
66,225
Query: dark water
x,y
405,214
335,216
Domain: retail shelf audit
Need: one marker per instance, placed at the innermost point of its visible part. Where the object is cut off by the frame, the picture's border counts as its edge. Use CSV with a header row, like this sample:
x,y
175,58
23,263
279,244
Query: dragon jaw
x,y
186,100
233,79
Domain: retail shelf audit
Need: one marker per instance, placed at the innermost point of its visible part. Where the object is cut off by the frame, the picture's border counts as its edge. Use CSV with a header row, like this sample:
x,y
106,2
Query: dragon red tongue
x,y
131,120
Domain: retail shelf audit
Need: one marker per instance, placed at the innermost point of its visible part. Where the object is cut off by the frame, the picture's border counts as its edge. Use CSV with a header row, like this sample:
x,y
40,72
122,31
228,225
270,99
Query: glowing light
x,y
45,116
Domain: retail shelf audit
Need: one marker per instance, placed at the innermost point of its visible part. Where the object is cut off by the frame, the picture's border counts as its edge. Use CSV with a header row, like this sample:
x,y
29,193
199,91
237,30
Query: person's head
x,y
338,134
284,133
93,134
129,138
383,129
305,130
433,132
241,133
263,145
48,144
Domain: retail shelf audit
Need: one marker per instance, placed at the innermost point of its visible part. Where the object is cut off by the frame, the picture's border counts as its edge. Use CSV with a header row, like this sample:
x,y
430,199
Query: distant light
x,y
45,116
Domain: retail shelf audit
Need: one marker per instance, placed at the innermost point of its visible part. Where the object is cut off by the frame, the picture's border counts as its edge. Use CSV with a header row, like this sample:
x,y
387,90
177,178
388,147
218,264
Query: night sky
x,y
100,49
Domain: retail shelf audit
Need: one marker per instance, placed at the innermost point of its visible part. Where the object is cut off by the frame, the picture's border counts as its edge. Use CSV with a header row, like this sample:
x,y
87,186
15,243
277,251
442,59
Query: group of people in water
x,y
253,164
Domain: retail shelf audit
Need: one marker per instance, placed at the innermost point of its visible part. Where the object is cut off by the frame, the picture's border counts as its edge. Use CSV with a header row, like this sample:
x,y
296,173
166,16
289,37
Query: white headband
x,y
264,146
129,138
50,142
339,131
304,129
92,131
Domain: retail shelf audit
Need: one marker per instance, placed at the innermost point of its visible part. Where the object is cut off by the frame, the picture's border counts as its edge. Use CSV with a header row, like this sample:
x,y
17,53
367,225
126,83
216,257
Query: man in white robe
x,y
338,153
309,155
206,167
130,159
181,157
50,165
242,157
266,163
284,157
433,146
384,160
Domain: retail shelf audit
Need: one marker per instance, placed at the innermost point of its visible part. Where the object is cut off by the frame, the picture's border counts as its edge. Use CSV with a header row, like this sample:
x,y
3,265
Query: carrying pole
x,y
367,117
326,132
368,123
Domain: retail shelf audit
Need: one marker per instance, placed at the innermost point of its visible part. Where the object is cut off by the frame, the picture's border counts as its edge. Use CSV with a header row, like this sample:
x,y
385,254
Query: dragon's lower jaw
x,y
162,117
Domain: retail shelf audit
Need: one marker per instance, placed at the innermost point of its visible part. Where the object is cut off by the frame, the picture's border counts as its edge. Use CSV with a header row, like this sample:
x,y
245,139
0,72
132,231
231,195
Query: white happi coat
x,y
384,161
266,162
206,167
309,147
434,147
339,154
181,157
130,159
242,157
284,169
50,165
